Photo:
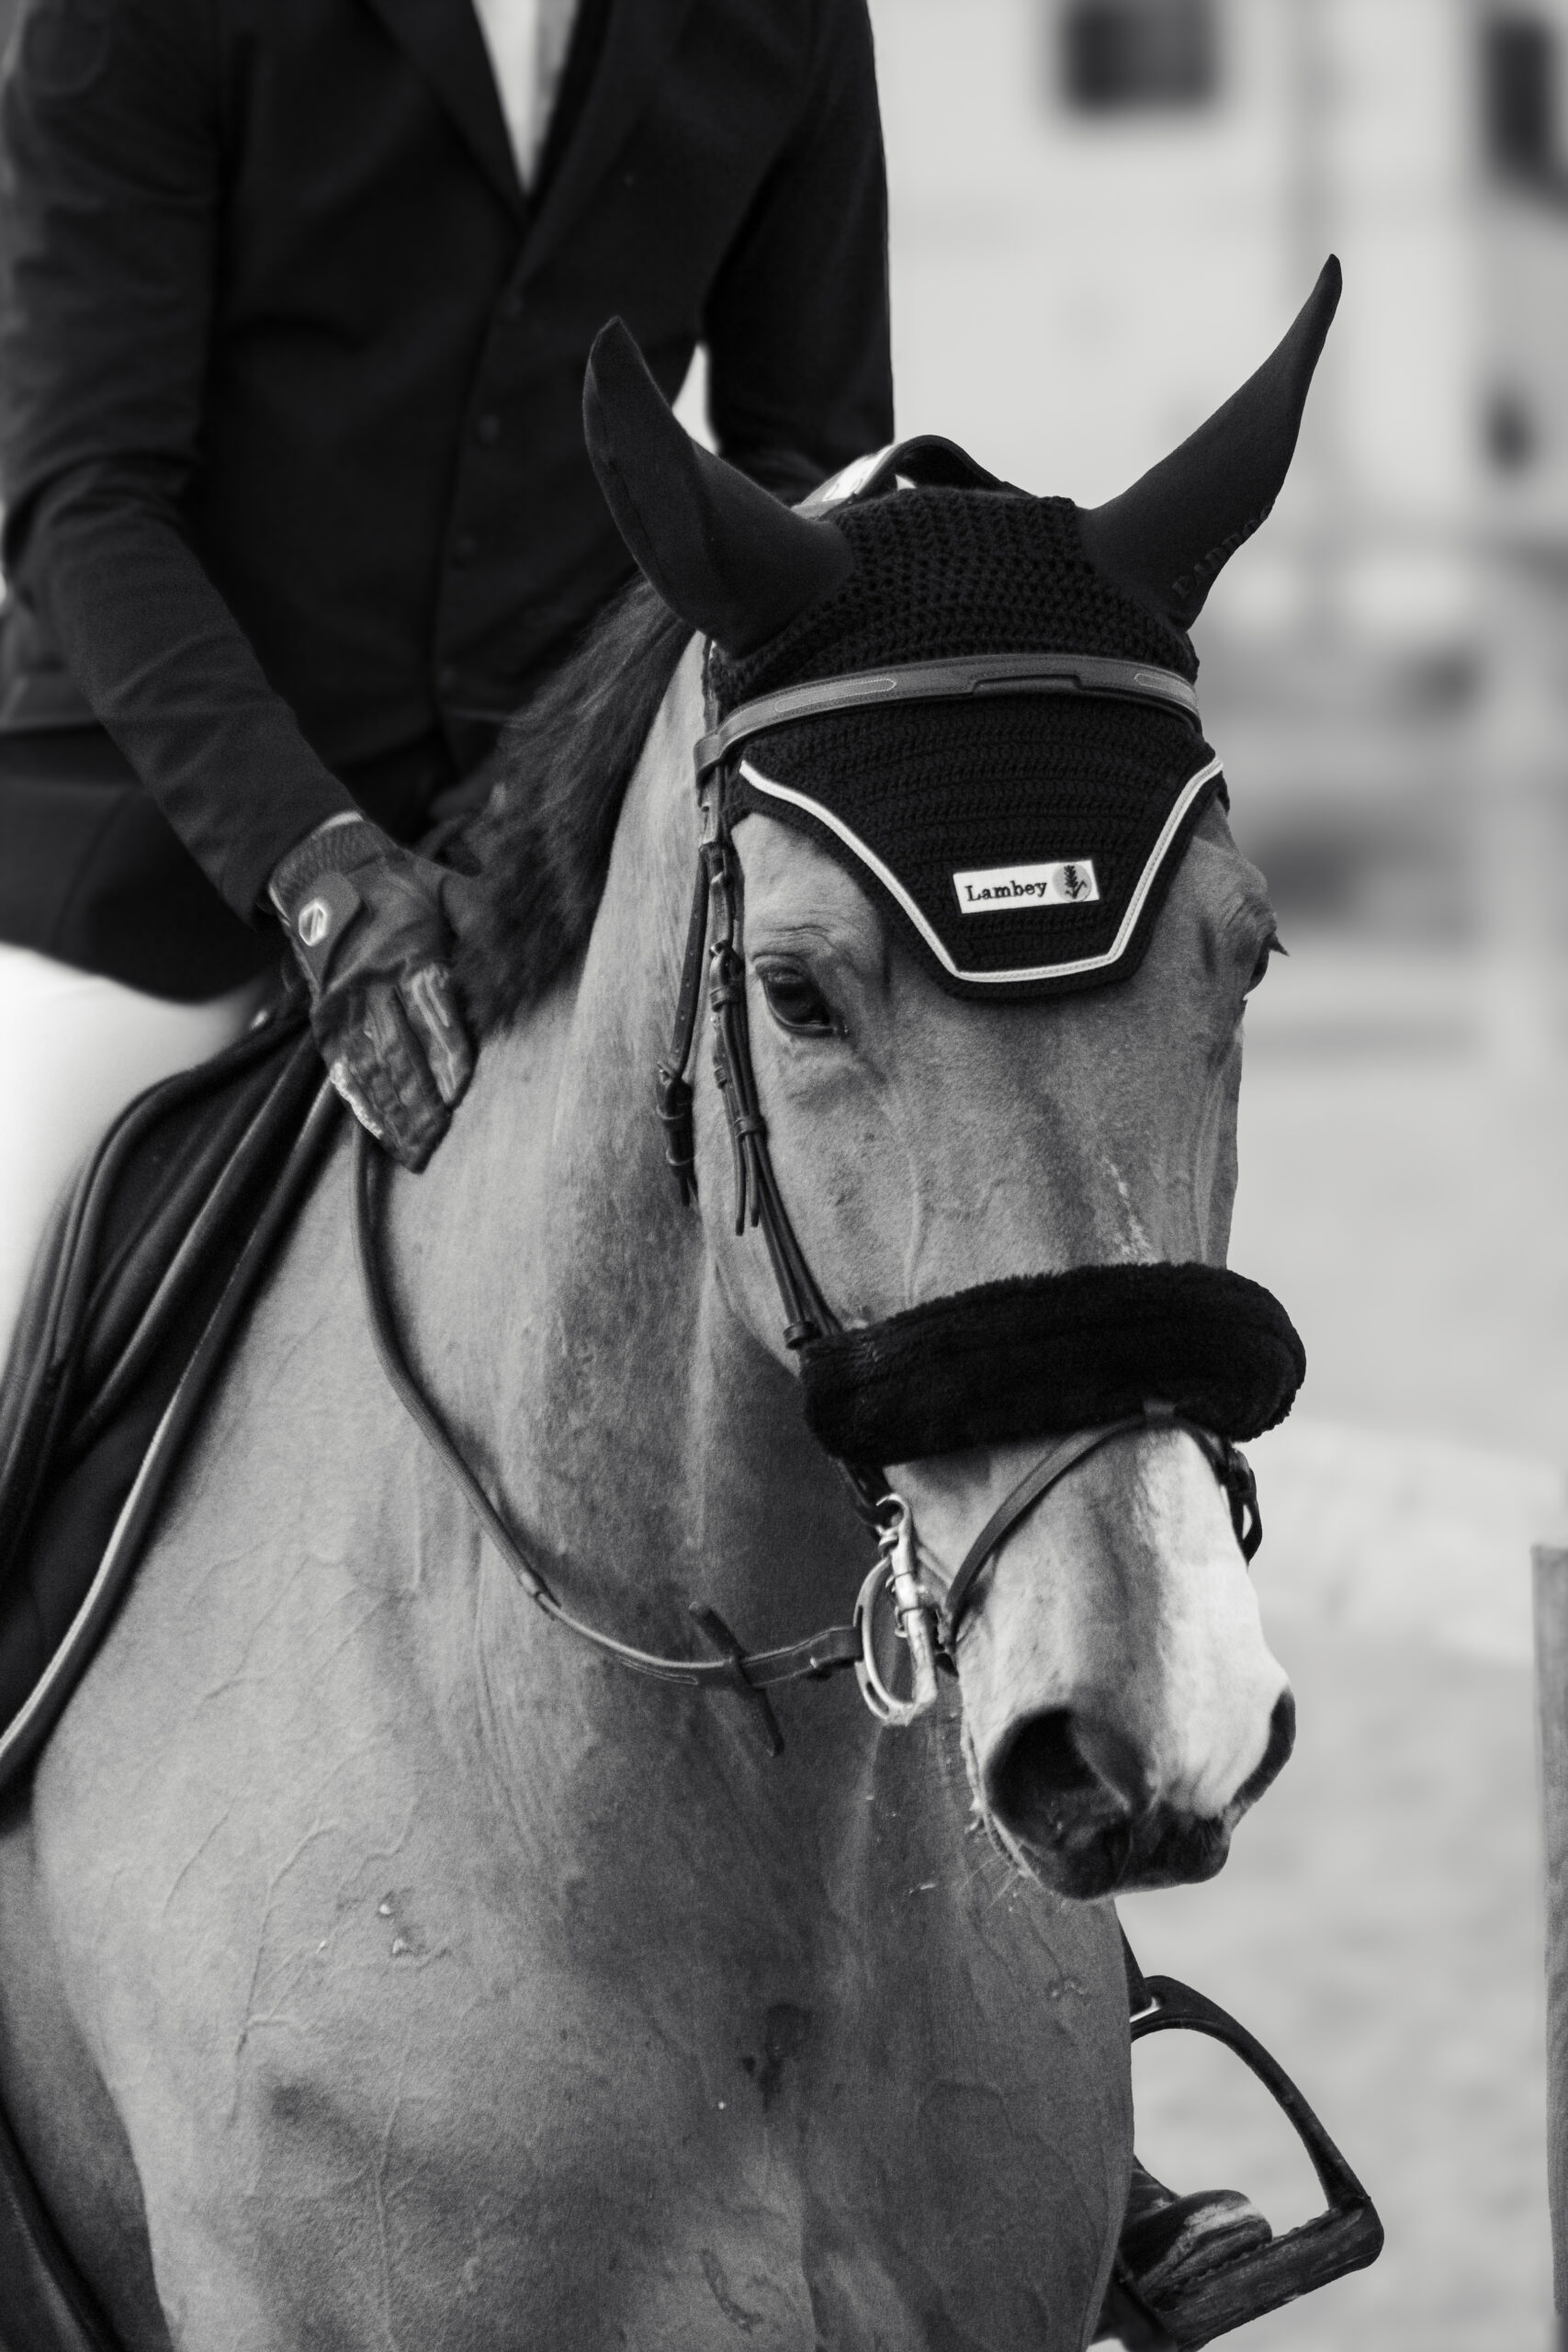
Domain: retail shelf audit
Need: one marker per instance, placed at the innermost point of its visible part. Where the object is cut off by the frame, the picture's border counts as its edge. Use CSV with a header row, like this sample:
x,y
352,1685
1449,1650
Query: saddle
x,y
142,1276
146,1266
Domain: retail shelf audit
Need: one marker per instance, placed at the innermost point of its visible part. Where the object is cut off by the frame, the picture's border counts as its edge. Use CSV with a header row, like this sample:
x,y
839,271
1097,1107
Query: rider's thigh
x,y
75,1049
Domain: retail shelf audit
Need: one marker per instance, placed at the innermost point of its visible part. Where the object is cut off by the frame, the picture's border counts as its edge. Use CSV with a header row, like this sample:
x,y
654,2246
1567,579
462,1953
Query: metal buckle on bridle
x,y
916,1615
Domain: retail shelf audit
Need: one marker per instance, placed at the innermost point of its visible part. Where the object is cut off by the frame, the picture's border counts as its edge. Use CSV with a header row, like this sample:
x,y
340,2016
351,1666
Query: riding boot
x,y
1168,2244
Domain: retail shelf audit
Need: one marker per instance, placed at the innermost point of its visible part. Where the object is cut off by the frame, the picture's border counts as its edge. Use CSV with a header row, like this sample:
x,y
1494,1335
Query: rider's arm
x,y
109,148
800,374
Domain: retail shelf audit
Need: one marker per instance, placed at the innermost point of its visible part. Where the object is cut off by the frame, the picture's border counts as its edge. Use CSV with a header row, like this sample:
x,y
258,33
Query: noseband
x,y
1093,1354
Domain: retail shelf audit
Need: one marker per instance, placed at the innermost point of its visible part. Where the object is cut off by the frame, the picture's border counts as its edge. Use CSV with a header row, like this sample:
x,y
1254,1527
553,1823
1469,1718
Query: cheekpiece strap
x,y
974,676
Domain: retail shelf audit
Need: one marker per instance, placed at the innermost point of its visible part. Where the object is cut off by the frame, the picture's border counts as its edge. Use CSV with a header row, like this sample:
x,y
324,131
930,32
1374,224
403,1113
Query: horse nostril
x,y
1058,1766
1282,1739
1115,1762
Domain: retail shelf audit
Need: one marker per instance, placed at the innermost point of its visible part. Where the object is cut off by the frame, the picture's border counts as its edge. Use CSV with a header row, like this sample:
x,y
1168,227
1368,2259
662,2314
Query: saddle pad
x,y
45,2303
138,1255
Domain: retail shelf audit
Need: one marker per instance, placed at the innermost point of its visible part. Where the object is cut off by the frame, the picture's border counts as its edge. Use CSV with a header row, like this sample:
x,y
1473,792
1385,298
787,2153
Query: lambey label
x,y
1062,882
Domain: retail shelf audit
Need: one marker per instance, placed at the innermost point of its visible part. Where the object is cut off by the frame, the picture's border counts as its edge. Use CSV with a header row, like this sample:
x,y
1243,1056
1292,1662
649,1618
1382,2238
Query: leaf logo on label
x,y
1055,882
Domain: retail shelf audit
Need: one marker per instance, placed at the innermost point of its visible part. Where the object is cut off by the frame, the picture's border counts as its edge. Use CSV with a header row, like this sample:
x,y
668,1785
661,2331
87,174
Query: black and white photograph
x,y
784,1175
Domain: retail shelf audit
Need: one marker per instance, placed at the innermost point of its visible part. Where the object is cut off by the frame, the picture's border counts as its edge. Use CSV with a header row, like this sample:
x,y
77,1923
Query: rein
x,y
928,1619
732,1670
751,1673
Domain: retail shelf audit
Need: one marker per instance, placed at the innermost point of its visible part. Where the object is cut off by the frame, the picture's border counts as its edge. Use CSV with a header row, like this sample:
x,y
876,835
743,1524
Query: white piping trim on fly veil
x,y
890,882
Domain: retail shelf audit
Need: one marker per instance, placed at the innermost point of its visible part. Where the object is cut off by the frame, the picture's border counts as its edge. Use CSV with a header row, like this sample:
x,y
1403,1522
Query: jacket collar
x,y
443,41
638,37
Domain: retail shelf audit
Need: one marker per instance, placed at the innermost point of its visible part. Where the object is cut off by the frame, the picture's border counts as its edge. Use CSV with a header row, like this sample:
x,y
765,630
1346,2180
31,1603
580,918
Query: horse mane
x,y
538,852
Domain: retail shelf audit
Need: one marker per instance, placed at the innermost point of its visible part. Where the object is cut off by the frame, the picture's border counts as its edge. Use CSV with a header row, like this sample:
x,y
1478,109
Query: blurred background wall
x,y
1105,213
1105,210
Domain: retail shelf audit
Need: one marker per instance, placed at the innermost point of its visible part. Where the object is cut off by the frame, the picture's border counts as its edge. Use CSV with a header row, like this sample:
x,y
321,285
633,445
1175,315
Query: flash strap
x,y
973,677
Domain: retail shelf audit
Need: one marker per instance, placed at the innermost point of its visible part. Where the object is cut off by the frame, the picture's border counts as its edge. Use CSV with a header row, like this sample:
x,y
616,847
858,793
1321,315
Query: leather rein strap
x,y
754,1671
750,1673
733,1669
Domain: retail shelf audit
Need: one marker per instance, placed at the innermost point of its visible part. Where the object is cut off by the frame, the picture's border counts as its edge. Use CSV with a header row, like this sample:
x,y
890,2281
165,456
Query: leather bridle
x,y
928,1619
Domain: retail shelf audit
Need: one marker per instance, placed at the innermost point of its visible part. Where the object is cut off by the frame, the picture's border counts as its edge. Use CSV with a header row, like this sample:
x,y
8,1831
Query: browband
x,y
1039,1355
957,680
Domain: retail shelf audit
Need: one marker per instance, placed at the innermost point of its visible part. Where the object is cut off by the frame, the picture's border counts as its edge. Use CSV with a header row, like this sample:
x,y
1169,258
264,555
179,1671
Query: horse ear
x,y
722,552
1169,537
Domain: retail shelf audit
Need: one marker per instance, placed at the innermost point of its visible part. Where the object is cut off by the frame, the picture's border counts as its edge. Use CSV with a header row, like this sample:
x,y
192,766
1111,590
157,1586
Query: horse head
x,y
981,950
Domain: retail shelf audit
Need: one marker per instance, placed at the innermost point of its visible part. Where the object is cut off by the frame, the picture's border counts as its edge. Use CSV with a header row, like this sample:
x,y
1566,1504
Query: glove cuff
x,y
331,849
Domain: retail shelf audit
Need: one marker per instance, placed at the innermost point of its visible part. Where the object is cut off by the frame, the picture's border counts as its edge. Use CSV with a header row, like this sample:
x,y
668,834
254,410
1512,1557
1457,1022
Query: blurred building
x,y
1523,246
1105,208
1105,211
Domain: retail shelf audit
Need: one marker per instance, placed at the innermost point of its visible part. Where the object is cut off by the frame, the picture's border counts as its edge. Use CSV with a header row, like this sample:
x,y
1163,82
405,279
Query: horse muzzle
x,y
1096,1352
1122,1707
1070,1797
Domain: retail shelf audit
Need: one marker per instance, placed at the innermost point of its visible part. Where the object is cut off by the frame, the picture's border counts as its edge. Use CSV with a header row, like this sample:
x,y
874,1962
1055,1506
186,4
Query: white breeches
x,y
73,1051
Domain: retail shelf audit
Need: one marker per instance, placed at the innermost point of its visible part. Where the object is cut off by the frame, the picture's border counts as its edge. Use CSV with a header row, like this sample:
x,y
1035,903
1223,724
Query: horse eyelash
x,y
1273,945
835,1026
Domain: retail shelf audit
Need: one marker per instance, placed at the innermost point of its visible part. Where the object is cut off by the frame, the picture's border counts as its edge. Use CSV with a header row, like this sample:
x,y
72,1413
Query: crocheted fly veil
x,y
1020,845
1021,841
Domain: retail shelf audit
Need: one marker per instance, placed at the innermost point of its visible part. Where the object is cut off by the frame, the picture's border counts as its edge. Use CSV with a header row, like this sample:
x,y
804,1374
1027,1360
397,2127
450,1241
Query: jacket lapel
x,y
443,39
638,40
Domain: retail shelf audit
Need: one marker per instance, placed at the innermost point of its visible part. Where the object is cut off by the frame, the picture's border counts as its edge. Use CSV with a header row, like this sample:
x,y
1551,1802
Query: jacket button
x,y
488,429
465,546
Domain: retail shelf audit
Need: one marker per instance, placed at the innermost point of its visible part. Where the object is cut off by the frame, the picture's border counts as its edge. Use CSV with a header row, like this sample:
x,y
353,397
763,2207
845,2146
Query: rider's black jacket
x,y
290,381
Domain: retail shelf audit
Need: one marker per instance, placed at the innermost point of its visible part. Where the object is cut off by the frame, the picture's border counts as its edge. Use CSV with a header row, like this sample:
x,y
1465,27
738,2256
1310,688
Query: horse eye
x,y
796,1003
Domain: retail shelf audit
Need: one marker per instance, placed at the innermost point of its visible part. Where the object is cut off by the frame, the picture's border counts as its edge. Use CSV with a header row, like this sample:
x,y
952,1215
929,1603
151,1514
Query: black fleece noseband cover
x,y
1045,1352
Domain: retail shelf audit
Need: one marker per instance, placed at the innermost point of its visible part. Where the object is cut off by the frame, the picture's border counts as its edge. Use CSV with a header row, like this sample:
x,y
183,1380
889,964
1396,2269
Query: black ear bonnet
x,y
1020,843
994,729
1022,846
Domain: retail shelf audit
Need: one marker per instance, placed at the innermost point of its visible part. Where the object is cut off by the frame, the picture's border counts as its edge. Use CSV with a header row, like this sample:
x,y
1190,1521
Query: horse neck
x,y
562,1302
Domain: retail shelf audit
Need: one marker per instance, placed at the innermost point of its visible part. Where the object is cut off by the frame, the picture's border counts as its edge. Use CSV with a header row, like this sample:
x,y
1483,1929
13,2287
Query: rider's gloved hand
x,y
368,923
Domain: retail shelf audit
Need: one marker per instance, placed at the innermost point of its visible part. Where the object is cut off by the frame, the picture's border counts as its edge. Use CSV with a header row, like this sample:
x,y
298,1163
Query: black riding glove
x,y
368,923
